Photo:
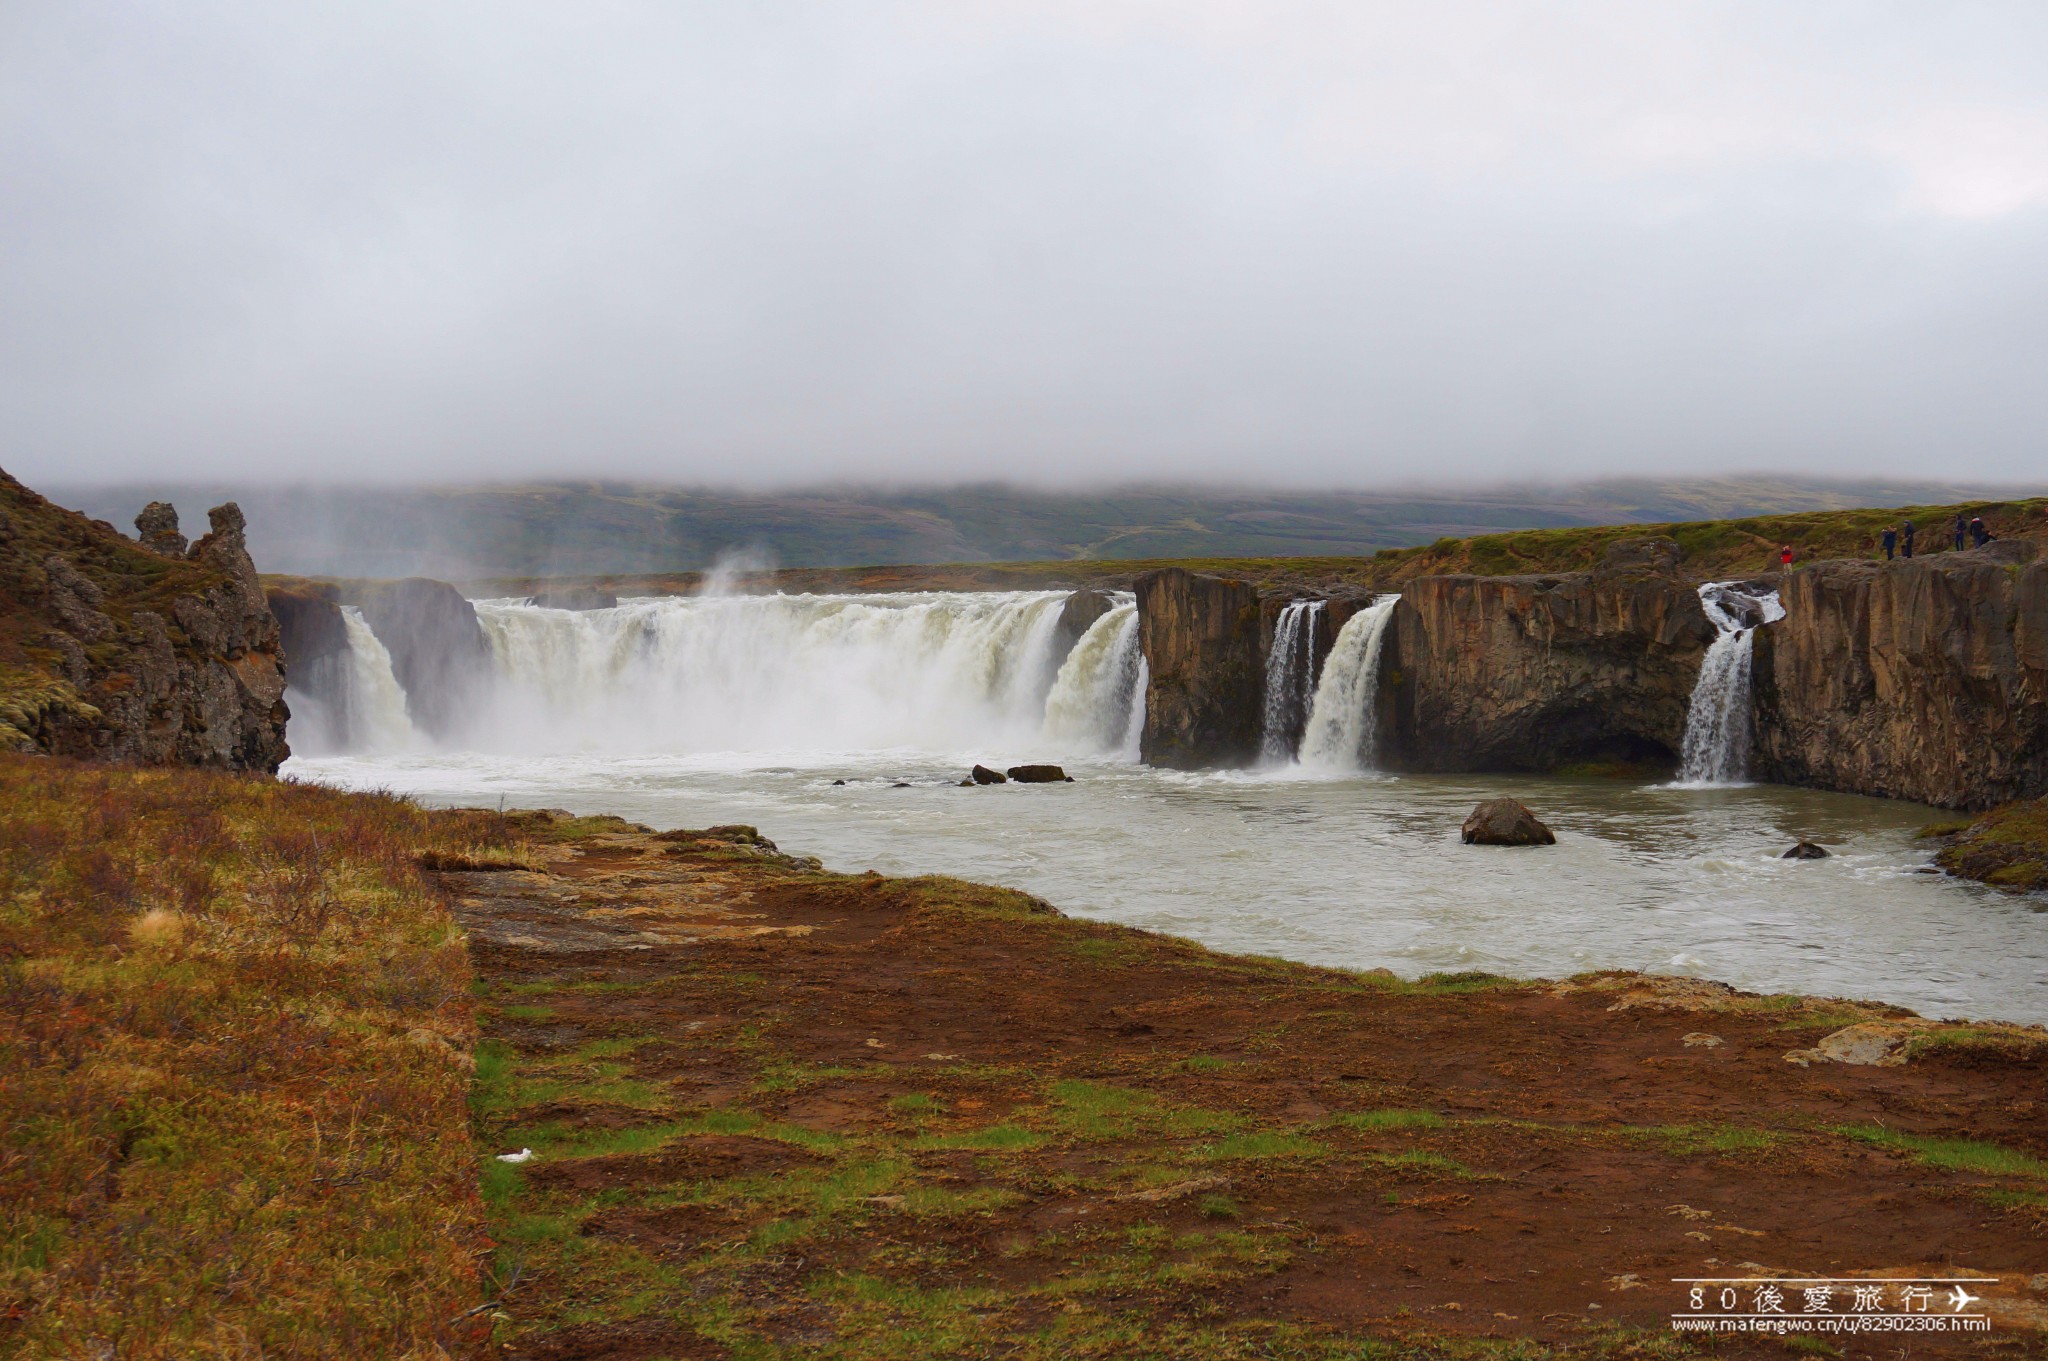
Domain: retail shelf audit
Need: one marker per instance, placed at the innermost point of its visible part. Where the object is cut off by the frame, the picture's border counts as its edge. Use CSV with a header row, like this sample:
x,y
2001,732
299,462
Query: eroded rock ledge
x,y
149,652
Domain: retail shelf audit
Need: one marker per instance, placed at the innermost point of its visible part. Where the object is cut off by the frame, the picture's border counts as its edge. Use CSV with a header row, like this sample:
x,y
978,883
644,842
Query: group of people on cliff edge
x,y
1897,540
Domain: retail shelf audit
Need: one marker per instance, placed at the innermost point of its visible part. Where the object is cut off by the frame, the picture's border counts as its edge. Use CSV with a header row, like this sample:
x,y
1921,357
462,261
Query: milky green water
x,y
1356,872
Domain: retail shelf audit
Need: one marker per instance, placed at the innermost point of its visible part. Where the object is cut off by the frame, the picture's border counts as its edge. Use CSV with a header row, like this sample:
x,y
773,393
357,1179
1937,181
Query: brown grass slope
x,y
234,1060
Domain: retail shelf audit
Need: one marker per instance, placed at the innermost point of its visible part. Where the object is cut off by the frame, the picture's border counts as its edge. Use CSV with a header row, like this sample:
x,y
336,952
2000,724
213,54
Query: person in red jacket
x,y
1785,557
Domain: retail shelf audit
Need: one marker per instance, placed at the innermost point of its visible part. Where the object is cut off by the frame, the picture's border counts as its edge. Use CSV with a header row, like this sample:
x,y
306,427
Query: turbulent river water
x,y
749,710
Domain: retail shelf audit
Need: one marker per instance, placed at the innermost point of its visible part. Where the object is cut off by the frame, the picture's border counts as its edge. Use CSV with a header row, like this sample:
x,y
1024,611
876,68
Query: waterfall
x,y
376,702
1100,689
796,675
1290,678
349,700
1343,727
1717,720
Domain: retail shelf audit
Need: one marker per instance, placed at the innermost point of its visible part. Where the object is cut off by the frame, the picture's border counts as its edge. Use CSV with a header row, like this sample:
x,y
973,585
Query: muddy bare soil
x,y
779,1112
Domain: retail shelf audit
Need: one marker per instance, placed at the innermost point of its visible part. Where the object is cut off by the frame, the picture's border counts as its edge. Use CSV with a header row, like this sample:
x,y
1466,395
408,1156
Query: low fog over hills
x,y
600,527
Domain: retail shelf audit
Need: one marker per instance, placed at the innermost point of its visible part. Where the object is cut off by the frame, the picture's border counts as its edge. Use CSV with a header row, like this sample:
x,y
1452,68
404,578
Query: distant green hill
x,y
593,528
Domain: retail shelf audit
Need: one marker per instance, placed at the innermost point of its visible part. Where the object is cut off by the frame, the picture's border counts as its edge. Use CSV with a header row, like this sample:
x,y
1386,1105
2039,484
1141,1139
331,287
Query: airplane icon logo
x,y
1962,1297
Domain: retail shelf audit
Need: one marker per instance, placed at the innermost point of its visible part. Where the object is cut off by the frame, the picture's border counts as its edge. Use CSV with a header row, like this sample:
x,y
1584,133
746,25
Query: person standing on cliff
x,y
1961,529
1891,540
1785,557
1906,532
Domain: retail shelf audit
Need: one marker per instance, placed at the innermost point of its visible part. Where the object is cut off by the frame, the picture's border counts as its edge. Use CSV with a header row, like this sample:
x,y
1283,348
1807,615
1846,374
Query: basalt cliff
x,y
1544,672
153,652
1923,679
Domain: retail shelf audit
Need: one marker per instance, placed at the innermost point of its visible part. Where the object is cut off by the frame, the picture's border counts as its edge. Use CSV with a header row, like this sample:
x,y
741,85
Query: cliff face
x,y
110,650
1200,637
438,650
1924,679
1534,673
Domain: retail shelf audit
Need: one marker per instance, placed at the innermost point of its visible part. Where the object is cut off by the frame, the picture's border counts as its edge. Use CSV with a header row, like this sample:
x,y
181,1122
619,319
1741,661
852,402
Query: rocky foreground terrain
x,y
757,1109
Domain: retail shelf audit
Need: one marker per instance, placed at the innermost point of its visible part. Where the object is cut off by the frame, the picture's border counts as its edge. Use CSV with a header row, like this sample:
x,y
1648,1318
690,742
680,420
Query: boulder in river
x,y
1039,775
1806,850
983,775
1506,822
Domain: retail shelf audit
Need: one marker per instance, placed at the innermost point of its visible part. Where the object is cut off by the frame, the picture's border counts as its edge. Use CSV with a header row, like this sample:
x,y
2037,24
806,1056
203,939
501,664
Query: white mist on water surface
x,y
747,709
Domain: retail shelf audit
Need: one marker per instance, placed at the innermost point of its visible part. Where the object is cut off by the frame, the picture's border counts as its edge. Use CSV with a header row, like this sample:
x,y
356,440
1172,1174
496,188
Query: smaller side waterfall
x,y
376,702
1717,721
1097,702
349,700
1343,727
1290,678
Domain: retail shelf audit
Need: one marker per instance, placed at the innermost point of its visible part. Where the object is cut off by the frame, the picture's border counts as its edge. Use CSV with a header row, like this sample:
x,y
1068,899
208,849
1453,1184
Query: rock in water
x,y
1806,850
1506,822
983,775
1039,775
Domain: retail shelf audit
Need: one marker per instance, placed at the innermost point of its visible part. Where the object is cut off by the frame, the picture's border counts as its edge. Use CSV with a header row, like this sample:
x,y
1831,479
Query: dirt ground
x,y
779,1112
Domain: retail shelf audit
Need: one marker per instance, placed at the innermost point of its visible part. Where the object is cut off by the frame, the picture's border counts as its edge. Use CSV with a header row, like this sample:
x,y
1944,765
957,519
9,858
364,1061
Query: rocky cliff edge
x,y
150,652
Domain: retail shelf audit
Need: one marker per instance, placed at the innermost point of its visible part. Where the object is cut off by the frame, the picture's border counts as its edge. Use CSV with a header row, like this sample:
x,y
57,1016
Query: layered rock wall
x,y
110,650
1921,679
1200,637
1537,673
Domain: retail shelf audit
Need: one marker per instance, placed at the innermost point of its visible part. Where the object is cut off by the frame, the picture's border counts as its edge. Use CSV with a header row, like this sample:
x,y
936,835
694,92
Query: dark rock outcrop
x,y
1039,775
1505,822
1077,616
574,598
1924,679
1543,672
1806,850
108,652
983,775
309,623
1201,641
438,650
158,527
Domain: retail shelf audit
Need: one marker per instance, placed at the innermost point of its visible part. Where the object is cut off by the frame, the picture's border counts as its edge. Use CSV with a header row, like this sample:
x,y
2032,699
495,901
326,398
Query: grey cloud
x,y
1296,242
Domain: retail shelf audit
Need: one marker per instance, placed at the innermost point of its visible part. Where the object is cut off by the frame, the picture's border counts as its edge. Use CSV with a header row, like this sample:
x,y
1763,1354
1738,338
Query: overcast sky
x,y
1344,243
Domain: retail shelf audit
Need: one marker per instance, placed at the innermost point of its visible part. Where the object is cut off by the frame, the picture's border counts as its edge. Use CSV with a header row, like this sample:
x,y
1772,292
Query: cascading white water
x,y
954,672
1290,677
350,700
1099,688
376,701
1343,729
1717,721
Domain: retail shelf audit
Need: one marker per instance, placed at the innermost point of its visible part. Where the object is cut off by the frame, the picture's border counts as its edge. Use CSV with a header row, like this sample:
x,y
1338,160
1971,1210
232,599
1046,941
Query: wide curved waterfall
x,y
790,675
1717,721
1343,728
1290,678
